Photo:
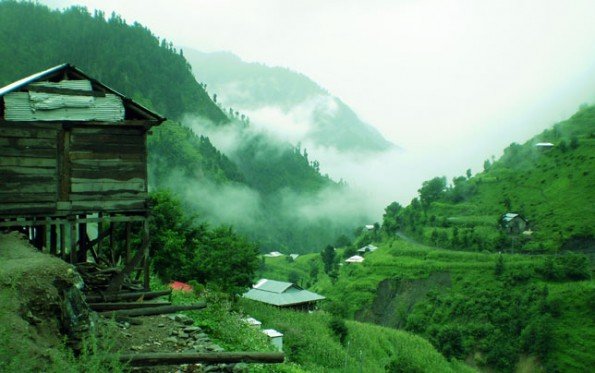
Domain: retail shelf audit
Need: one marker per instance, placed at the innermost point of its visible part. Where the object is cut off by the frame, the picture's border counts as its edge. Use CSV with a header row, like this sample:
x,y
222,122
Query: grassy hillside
x,y
459,303
554,189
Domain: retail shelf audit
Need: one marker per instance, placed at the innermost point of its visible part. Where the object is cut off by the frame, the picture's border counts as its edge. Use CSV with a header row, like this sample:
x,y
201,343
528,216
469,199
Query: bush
x,y
339,328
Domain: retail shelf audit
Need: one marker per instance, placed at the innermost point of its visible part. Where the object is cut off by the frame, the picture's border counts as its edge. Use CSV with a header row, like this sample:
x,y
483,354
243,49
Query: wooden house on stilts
x,y
73,152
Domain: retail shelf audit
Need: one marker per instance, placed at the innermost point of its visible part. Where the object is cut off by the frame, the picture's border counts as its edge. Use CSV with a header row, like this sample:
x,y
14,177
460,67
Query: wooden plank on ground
x,y
159,310
177,358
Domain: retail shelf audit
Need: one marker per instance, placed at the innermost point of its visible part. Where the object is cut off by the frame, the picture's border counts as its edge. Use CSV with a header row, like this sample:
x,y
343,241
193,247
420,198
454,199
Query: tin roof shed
x,y
281,294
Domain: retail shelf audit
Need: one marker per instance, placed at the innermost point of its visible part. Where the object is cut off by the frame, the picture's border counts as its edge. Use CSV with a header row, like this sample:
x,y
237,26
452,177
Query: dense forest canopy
x,y
260,187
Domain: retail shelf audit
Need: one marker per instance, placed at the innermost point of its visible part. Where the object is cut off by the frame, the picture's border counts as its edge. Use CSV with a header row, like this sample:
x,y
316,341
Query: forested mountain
x,y
259,187
250,87
548,181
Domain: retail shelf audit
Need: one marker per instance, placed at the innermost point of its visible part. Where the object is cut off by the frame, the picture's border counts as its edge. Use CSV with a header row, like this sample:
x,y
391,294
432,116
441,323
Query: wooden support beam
x,y
127,296
63,241
117,281
82,239
72,241
127,244
112,244
53,239
115,306
147,274
160,310
177,358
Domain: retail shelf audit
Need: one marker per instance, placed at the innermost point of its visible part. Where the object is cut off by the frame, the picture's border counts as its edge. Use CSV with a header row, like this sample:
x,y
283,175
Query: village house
x,y
513,223
282,294
367,249
354,259
73,152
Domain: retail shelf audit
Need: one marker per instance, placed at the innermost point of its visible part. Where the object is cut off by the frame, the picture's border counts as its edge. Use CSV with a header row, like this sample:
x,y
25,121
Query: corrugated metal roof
x,y
283,299
273,286
80,75
280,293
34,106
31,78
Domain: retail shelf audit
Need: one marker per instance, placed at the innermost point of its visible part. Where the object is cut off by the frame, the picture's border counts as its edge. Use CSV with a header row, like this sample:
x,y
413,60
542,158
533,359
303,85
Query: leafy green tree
x,y
328,258
432,190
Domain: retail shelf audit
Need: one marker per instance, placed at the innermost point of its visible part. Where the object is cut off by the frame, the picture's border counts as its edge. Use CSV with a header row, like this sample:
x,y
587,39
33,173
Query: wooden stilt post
x,y
82,239
72,240
147,274
53,239
46,235
127,242
63,241
99,234
112,242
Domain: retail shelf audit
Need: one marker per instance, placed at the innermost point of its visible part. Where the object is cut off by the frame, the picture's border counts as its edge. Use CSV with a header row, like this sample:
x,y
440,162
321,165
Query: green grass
x,y
309,342
472,278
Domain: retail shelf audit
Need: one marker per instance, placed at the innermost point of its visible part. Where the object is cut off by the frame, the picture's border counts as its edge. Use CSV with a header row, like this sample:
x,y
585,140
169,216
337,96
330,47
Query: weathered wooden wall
x,y
28,169
62,169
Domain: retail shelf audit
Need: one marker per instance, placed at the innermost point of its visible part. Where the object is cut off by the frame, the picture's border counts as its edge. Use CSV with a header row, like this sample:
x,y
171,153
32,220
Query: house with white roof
x,y
282,294
354,259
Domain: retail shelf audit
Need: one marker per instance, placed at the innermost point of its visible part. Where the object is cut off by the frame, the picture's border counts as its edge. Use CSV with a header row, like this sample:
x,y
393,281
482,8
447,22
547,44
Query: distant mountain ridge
x,y
248,87
265,191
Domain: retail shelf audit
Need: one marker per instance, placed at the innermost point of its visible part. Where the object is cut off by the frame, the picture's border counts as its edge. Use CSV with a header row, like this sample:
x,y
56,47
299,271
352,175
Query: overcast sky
x,y
462,79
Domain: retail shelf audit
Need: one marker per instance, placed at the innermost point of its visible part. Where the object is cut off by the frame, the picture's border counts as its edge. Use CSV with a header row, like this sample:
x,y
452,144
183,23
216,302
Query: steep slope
x,y
552,187
515,318
261,187
128,58
259,91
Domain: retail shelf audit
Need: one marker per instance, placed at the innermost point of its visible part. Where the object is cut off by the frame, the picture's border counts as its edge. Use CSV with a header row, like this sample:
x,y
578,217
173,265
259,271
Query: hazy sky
x,y
460,79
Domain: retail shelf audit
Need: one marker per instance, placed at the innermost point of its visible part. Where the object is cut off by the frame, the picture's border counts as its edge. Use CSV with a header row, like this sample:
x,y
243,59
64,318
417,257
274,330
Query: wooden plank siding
x,y
108,169
64,168
28,169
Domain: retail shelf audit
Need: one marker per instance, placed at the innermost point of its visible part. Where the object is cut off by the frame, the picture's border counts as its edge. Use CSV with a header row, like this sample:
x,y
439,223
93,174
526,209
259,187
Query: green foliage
x,y
310,342
499,267
574,267
550,188
328,258
97,354
190,251
128,58
432,190
339,328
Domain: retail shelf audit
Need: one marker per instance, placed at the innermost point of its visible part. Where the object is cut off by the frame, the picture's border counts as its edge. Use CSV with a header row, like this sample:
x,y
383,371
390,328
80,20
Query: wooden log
x,y
160,310
117,281
146,295
116,306
175,358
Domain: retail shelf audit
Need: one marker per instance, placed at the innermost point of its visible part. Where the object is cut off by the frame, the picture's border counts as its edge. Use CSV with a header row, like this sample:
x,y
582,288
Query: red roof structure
x,y
180,286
